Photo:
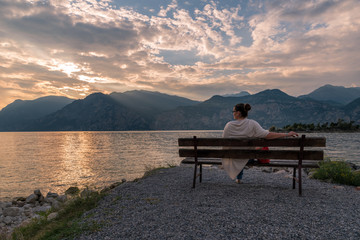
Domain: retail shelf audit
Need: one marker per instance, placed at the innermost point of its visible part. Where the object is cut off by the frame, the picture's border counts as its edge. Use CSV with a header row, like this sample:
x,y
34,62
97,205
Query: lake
x,y
54,161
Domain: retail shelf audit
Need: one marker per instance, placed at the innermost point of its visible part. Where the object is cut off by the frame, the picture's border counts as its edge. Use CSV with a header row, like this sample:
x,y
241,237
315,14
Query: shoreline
x,y
141,209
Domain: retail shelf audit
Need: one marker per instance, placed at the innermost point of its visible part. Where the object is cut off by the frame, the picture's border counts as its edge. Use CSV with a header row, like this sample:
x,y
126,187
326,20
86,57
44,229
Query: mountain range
x,y
145,110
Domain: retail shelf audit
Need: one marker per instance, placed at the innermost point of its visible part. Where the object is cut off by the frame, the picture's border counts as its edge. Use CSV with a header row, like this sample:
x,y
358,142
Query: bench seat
x,y
273,163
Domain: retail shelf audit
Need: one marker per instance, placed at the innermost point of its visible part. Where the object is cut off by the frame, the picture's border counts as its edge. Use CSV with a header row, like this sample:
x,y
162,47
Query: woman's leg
x,y
240,175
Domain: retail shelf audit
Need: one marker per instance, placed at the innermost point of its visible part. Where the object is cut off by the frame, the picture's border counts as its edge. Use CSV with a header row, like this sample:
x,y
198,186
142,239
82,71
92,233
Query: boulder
x,y
56,204
21,199
38,192
62,198
52,195
28,212
43,208
12,211
32,198
8,220
27,206
41,199
52,216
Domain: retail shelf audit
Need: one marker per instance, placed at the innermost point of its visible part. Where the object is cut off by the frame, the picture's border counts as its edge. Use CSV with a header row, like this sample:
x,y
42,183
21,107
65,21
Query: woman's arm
x,y
273,135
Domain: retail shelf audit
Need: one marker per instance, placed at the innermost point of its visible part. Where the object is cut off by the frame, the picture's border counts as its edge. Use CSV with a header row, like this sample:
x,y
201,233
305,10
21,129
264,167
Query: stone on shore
x,y
21,210
32,198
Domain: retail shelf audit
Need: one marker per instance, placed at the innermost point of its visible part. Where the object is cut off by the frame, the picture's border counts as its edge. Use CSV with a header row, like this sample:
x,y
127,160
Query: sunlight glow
x,y
68,68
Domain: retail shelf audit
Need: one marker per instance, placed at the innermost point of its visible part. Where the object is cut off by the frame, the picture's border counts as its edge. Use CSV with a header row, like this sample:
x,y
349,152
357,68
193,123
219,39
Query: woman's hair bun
x,y
243,108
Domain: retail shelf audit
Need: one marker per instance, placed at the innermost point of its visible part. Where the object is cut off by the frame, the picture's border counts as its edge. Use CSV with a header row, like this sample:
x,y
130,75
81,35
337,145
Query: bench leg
x,y
300,182
195,173
294,177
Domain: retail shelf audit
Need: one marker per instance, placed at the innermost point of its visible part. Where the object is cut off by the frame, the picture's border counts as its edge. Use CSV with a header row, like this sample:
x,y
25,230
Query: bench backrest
x,y
204,148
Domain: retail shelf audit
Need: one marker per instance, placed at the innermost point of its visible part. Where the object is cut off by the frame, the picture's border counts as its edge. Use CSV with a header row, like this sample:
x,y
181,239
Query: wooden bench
x,y
288,152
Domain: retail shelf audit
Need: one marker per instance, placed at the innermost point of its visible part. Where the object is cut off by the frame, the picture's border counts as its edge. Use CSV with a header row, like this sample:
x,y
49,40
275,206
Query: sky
x,y
194,49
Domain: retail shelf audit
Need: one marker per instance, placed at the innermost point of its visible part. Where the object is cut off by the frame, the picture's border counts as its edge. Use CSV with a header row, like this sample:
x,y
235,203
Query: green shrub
x,y
337,172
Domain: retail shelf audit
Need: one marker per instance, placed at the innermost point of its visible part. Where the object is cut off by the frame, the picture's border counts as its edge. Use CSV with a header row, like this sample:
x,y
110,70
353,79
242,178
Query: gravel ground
x,y
264,206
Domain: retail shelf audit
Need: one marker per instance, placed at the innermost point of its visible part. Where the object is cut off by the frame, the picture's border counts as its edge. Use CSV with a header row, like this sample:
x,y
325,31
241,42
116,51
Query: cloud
x,y
74,48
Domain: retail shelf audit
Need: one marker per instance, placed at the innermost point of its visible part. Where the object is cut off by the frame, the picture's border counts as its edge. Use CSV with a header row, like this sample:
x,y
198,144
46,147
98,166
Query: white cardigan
x,y
237,129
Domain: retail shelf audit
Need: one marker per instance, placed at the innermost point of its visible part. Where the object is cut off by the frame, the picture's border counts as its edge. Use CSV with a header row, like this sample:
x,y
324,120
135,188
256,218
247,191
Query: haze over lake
x,y
54,161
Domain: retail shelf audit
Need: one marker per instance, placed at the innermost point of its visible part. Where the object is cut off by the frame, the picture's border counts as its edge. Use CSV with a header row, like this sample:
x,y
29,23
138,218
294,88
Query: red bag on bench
x,y
264,160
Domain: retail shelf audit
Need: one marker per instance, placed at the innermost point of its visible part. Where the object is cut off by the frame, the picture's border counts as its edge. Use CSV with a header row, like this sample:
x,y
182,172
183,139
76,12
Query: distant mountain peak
x,y
334,94
240,94
272,92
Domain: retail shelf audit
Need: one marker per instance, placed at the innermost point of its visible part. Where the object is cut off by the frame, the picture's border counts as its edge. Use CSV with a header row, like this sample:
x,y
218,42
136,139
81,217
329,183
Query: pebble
x,y
165,206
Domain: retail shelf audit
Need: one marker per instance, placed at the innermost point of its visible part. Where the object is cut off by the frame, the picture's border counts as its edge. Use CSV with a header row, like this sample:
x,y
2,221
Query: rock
x,y
8,220
32,198
357,188
50,200
41,199
62,198
12,211
43,208
338,187
7,204
36,216
280,172
27,206
55,204
52,195
21,199
311,174
20,204
72,190
87,193
353,166
267,170
114,185
25,222
28,212
38,192
52,216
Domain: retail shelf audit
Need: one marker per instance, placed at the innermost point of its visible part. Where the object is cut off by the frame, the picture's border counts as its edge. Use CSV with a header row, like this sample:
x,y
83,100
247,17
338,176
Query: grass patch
x,y
337,172
66,225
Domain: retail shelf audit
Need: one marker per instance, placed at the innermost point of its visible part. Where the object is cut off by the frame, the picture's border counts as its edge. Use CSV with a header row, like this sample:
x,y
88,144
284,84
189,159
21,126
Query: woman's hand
x,y
292,134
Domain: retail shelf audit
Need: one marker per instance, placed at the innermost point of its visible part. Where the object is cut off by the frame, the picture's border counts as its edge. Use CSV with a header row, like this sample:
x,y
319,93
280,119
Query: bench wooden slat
x,y
273,162
251,154
250,142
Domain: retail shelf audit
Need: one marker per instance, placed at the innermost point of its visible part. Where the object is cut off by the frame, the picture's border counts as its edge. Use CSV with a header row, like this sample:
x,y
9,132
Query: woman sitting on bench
x,y
244,127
